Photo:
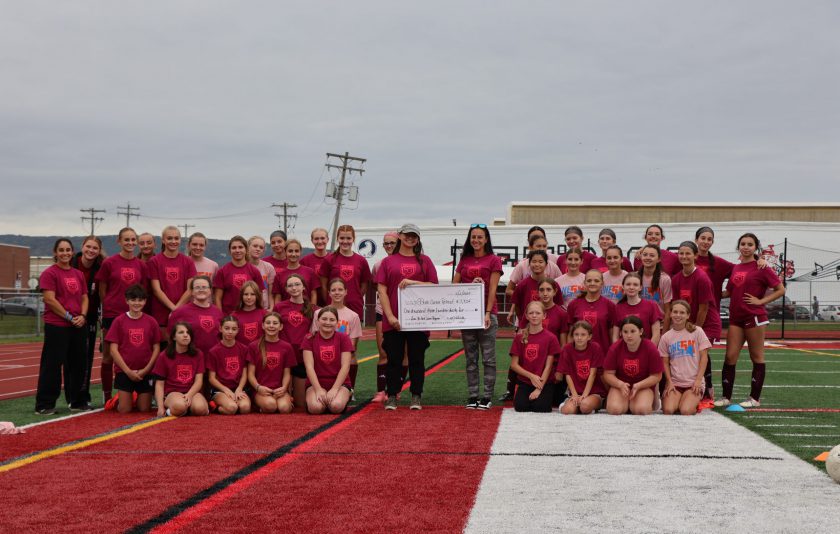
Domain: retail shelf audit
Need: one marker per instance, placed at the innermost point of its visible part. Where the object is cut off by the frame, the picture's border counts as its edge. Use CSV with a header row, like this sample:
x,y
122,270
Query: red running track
x,y
19,363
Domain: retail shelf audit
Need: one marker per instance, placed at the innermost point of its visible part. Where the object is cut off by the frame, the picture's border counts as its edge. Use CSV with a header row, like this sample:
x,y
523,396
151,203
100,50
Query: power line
x,y
285,216
92,218
240,214
129,212
338,192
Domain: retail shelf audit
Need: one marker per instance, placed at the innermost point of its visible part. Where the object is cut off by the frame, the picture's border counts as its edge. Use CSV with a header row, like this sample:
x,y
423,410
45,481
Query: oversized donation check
x,y
441,307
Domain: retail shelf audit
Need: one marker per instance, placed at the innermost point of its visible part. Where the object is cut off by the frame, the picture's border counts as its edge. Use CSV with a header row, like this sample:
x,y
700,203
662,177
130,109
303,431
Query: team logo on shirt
x,y
272,359
681,349
71,285
631,367
346,272
582,368
250,331
327,354
591,317
128,275
473,272
408,269
738,278
184,373
238,279
207,323
685,294
173,274
532,350
232,364
535,295
295,318
136,336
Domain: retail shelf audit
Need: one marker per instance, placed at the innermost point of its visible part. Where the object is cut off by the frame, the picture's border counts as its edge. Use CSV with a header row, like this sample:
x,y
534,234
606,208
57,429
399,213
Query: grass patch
x,y
19,325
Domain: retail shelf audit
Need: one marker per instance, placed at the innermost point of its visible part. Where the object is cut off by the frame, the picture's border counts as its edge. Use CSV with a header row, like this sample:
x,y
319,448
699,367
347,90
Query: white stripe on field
x,y
775,417
71,416
547,488
796,426
776,371
833,386
808,435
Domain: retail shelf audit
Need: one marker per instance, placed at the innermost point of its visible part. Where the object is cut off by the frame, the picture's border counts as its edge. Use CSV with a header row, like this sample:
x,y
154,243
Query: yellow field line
x,y
80,444
368,358
817,352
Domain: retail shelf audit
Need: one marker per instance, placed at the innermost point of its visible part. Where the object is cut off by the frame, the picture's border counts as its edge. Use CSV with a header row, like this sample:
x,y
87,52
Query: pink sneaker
x,y
380,396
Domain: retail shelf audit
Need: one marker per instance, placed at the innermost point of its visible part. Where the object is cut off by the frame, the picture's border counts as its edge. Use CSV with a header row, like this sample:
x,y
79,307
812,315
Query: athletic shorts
x,y
106,322
378,317
299,371
123,383
750,322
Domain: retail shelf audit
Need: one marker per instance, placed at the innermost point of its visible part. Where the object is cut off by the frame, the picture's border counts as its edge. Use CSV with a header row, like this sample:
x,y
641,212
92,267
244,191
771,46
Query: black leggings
x,y
395,343
521,402
63,354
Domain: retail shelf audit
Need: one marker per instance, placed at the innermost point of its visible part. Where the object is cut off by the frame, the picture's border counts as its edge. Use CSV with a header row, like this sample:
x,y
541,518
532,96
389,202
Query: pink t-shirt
x,y
396,268
295,324
661,295
534,354
523,270
228,363
204,322
277,264
69,287
747,278
646,310
669,260
348,323
135,339
373,277
471,267
206,267
268,275
556,321
600,263
354,270
696,289
120,274
172,274
279,356
613,289
310,281
577,364
585,262
600,314
314,262
570,287
683,349
718,275
326,356
250,325
632,367
178,372
230,279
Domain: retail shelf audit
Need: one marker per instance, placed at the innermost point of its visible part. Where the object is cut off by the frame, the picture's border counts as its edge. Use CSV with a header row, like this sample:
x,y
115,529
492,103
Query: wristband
x,y
68,317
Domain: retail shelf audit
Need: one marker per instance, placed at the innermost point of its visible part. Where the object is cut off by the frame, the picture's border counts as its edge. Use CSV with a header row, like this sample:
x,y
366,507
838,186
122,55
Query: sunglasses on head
x,y
482,226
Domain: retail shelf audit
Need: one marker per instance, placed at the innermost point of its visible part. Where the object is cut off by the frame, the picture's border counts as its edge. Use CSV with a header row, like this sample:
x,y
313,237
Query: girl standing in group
x,y
633,304
277,241
227,371
250,313
88,261
66,308
656,285
614,275
270,361
203,317
669,260
606,239
180,376
574,240
197,244
593,308
526,289
389,243
349,322
556,319
570,283
582,361
693,286
749,289
320,238
326,356
256,248
533,353
296,314
479,264
293,266
632,369
350,267
229,280
146,246
118,273
536,241
684,350
407,266
170,273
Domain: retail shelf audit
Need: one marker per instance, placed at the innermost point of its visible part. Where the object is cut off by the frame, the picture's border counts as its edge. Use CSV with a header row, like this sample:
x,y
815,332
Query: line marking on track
x,y
21,461
6,367
796,426
64,418
788,386
535,454
805,410
367,358
818,352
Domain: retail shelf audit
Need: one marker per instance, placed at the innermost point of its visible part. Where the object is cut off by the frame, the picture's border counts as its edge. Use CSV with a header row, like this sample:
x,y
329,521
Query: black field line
x,y
536,454
172,452
177,509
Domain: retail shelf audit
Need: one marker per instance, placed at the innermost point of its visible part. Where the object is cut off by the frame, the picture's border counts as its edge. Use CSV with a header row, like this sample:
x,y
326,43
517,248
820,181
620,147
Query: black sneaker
x,y
472,404
45,411
507,396
485,404
86,407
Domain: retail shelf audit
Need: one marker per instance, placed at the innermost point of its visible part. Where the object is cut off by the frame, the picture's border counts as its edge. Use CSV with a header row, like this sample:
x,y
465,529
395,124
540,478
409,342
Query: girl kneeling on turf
x,y
632,369
326,356
581,361
180,375
532,358
270,360
226,371
684,350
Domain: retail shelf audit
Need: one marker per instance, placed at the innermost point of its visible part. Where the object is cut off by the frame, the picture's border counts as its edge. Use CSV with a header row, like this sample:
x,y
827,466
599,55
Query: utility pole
x,y
93,218
286,216
338,192
129,212
186,228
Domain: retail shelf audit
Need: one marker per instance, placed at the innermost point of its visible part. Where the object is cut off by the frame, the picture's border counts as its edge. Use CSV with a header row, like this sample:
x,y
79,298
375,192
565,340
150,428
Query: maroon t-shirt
x,y
632,367
120,274
135,339
556,321
277,264
669,260
600,314
205,323
314,262
295,324
178,372
326,356
69,287
250,325
534,353
310,281
578,363
646,310
471,267
718,275
526,291
396,268
748,278
228,363
696,289
585,262
600,263
173,275
279,356
354,270
230,279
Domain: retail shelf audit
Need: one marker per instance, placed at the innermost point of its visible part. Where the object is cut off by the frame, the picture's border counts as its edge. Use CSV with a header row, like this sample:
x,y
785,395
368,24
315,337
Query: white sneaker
x,y
722,402
750,403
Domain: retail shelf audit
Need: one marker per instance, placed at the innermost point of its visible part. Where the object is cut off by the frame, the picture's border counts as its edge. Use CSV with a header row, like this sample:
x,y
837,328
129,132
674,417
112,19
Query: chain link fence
x,y
21,313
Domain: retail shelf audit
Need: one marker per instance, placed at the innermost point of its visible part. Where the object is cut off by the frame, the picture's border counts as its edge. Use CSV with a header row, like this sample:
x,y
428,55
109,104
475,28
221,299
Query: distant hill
x,y
42,245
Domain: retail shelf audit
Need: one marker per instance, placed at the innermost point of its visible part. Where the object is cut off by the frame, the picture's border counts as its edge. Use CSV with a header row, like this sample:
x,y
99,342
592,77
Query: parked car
x,y
829,313
22,306
802,313
724,315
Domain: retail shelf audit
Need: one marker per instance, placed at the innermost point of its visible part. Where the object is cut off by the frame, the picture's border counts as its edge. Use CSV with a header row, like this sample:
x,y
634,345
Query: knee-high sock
x,y
758,372
354,370
381,377
106,371
728,379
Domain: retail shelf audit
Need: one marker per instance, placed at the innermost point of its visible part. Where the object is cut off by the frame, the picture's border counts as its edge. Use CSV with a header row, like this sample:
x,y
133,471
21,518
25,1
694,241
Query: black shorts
x,y
378,317
299,371
123,383
106,322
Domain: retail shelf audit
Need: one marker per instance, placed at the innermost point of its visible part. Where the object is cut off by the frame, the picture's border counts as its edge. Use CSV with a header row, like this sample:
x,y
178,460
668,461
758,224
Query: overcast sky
x,y
202,109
